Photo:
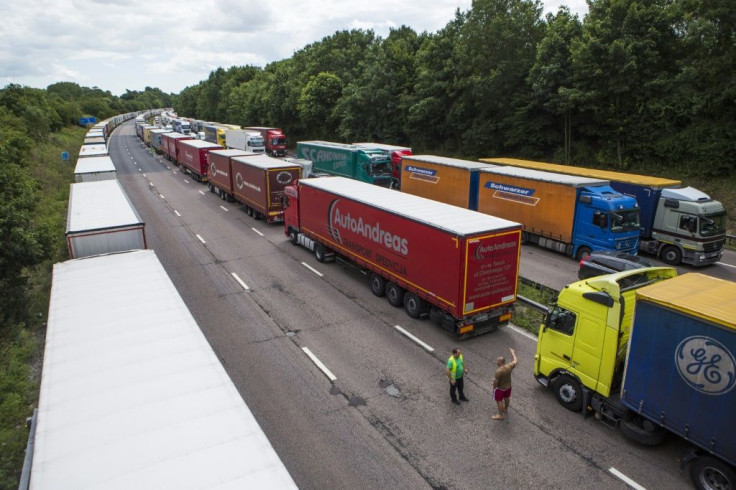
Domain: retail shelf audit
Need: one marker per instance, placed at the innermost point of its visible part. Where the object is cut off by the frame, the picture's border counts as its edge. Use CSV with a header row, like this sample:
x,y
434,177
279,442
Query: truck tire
x,y
709,473
378,284
568,392
524,238
643,431
293,237
212,187
414,305
671,255
319,252
395,294
582,253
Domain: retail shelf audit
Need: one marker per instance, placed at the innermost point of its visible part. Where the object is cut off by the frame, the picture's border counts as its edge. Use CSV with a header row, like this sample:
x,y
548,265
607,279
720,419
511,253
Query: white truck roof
x,y
526,173
99,205
93,150
433,213
200,144
132,394
382,146
446,161
94,164
264,161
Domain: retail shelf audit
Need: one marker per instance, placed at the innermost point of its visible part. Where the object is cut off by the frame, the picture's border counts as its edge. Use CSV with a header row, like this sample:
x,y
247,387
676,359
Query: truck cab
x,y
688,227
582,343
254,142
605,220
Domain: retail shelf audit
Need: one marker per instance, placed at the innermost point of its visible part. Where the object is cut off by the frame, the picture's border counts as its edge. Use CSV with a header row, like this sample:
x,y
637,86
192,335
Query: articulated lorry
x,y
240,139
396,153
169,143
274,139
340,159
181,126
397,239
567,214
156,138
653,353
677,224
255,180
193,157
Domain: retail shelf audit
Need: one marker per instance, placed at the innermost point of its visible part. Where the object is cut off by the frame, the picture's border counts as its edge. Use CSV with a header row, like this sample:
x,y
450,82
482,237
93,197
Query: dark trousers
x,y
457,386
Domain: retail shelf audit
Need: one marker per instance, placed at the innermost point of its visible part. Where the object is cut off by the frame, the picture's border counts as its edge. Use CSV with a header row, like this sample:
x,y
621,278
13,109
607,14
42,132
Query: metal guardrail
x,y
731,239
532,304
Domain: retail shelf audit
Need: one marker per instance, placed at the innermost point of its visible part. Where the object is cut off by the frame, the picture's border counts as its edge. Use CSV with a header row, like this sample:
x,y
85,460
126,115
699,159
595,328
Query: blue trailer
x,y
681,370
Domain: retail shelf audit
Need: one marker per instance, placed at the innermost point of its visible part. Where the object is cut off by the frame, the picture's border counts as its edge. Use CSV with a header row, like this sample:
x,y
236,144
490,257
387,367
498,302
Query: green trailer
x,y
364,164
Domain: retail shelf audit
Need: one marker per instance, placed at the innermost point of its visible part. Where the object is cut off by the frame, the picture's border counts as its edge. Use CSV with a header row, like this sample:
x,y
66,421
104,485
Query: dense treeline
x,y
636,82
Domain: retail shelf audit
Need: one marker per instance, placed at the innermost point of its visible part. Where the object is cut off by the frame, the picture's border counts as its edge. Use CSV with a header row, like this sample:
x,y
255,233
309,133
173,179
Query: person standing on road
x,y
502,385
455,372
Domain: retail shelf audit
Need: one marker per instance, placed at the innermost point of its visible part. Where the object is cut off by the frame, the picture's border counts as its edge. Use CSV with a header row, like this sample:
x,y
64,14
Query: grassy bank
x,y
22,344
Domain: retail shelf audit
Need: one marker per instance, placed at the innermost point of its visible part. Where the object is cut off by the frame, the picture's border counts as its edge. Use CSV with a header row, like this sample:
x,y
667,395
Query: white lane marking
x,y
186,181
162,196
626,479
144,175
240,281
201,239
224,208
168,167
319,364
427,347
257,231
523,332
151,184
312,269
177,213
727,265
201,193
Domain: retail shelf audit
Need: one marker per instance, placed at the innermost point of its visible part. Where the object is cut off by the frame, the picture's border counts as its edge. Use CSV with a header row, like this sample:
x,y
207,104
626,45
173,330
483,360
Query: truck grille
x,y
713,246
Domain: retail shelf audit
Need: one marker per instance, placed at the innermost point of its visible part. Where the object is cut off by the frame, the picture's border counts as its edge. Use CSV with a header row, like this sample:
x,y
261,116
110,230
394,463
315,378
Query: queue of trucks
x,y
654,354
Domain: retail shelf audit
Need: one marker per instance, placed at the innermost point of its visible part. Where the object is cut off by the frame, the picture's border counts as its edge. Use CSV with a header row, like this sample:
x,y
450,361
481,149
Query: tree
x,y
317,102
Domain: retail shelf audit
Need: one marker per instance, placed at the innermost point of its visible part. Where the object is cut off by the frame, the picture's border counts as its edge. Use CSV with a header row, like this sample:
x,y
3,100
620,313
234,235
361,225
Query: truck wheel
x,y
319,252
524,238
395,294
709,473
643,431
568,392
378,284
293,237
414,305
582,253
671,255
212,187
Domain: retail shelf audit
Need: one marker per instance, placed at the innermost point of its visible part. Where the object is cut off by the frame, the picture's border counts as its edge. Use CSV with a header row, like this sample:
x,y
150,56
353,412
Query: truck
x,y
255,180
396,153
274,139
396,240
654,354
93,169
169,142
568,214
156,139
181,126
240,139
340,159
101,219
215,133
192,156
678,225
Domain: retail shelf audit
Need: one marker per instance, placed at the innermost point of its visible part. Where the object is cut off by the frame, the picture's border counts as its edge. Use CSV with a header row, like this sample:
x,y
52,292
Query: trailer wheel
x,y
378,284
524,238
395,294
319,252
293,237
212,187
643,431
568,392
671,255
414,305
709,473
582,253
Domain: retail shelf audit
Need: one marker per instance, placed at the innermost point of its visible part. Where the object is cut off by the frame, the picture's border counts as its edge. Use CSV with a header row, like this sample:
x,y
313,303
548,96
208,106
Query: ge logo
x,y
239,181
706,365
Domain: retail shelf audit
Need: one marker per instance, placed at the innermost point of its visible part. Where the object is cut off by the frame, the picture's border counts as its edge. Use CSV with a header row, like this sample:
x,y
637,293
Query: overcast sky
x,y
130,44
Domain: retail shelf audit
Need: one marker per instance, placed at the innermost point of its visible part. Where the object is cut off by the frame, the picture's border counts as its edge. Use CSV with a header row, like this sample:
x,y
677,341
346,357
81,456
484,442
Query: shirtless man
x,y
502,385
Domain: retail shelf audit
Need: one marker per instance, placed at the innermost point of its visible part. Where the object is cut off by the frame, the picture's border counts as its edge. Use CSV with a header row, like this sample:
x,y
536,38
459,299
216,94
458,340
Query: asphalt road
x,y
386,420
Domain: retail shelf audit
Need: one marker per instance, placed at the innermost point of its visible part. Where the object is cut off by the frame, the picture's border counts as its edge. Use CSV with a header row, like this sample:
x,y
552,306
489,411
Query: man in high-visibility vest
x,y
455,371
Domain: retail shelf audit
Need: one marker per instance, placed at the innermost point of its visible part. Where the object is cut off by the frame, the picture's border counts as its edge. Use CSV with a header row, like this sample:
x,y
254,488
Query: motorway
x,y
379,415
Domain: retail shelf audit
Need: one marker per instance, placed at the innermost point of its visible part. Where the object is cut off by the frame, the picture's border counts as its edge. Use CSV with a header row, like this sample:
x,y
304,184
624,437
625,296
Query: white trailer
x,y
93,169
102,220
240,139
132,394
96,150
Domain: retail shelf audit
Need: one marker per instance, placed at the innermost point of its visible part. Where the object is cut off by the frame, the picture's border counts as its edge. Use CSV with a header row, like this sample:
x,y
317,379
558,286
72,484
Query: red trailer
x,y
274,139
259,182
168,142
460,267
192,156
220,175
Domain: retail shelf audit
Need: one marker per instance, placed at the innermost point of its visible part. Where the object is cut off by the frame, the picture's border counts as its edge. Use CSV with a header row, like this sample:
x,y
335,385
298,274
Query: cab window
x,y
561,320
688,223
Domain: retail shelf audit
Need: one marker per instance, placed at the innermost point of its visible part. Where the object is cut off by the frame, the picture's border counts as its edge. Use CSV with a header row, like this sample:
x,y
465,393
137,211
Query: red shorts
x,y
499,394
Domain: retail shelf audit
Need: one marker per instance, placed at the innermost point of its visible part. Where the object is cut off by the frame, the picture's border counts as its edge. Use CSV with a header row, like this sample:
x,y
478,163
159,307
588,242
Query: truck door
x,y
555,345
587,347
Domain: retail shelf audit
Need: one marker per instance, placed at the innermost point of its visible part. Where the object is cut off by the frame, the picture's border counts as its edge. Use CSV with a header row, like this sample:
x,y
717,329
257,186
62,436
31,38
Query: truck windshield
x,y
256,141
624,220
278,141
713,225
380,168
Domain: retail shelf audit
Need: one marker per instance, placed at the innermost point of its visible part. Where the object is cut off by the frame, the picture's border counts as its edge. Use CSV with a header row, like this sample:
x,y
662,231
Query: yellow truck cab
x,y
581,346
